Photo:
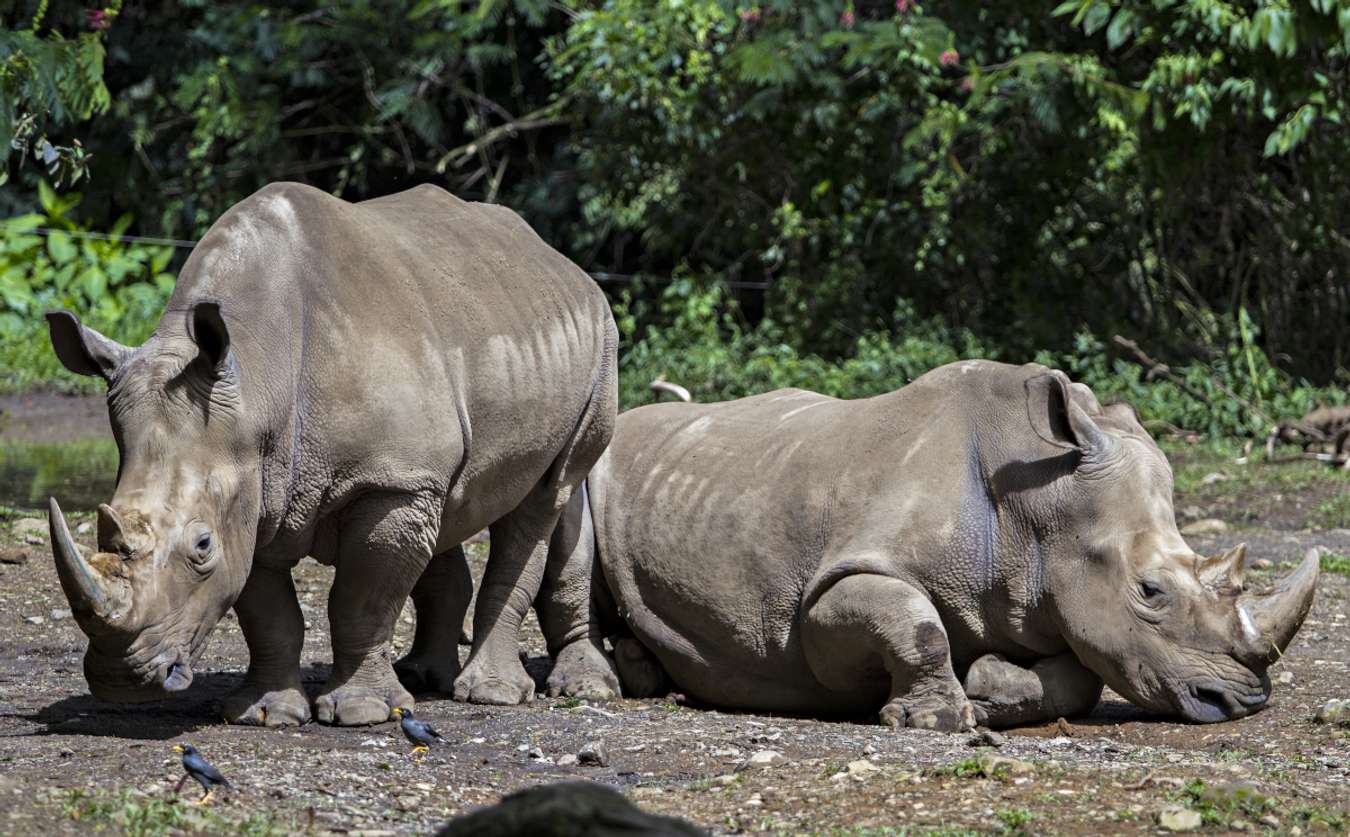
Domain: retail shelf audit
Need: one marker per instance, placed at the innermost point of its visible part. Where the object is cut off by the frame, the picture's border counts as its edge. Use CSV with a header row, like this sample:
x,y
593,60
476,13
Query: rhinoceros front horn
x,y
94,598
1275,617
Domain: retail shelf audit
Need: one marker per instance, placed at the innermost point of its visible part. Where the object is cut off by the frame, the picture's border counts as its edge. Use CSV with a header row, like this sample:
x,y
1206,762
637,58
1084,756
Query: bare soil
x,y
69,763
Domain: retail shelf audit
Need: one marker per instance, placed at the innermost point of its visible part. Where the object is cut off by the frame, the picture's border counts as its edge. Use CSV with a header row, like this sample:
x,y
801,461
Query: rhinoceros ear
x,y
210,334
83,350
1058,419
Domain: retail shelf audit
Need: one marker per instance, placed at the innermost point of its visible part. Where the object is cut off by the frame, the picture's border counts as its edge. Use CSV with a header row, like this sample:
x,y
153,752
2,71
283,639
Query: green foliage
x,y
137,815
1335,564
116,287
50,80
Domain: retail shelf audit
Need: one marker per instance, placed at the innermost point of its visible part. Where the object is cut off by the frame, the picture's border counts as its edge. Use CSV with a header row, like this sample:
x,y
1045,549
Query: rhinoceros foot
x,y
585,671
639,670
428,673
257,705
505,683
352,705
944,713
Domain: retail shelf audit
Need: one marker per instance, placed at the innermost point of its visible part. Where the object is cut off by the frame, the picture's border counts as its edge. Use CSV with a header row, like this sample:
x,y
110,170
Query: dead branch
x,y
1157,367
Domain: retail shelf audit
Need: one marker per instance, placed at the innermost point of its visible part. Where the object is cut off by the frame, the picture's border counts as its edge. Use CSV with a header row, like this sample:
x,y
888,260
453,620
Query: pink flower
x,y
97,19
846,19
967,84
949,58
901,6
750,15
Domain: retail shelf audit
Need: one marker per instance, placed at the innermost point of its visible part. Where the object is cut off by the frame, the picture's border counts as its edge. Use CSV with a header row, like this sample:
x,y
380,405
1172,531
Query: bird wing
x,y
202,766
432,732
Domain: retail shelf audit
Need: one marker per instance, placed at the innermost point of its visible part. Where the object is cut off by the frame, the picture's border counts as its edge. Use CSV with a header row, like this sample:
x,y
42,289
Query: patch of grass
x,y
1307,815
1339,564
1217,804
135,814
1014,818
568,703
1333,512
962,769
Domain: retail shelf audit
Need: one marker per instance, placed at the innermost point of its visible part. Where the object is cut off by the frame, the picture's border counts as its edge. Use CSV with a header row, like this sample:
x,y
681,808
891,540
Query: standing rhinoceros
x,y
367,384
987,524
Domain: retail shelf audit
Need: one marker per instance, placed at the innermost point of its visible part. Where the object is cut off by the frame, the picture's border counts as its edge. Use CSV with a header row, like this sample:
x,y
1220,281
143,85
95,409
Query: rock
x,y
1191,512
567,760
987,738
1335,712
34,540
1176,818
408,802
25,526
14,555
84,528
567,808
765,758
535,753
58,614
998,767
1262,564
33,620
1205,526
1270,821
859,771
1284,678
593,755
1213,477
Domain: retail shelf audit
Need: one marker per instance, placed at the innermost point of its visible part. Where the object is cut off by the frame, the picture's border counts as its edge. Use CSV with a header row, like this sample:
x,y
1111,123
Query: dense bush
x,y
116,287
842,193
695,338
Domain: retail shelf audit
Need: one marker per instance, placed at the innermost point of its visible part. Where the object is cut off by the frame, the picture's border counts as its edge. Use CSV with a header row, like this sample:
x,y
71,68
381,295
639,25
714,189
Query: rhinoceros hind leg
x,y
441,598
1006,694
567,609
867,626
274,629
519,555
383,546
640,672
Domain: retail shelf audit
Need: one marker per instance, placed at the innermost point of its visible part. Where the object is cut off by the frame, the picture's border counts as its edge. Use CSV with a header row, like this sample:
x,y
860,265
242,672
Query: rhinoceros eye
x,y
1150,591
201,550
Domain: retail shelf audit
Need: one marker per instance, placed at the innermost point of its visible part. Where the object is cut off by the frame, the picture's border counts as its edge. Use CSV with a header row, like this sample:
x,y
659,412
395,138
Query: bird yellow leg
x,y
206,797
420,748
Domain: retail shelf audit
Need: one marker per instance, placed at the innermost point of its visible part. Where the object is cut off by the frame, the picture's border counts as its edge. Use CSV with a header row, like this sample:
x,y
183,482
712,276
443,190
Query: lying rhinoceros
x,y
367,384
988,524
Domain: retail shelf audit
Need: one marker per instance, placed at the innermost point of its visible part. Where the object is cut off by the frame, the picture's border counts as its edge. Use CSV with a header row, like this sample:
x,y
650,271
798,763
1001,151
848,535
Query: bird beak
x,y
178,748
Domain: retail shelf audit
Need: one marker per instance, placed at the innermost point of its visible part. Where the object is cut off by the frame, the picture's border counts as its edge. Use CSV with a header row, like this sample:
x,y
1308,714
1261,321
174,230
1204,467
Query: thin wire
x,y
98,236
178,242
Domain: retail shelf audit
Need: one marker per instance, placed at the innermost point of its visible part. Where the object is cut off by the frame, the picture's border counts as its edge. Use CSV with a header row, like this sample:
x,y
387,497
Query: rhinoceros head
x,y
1164,627
175,543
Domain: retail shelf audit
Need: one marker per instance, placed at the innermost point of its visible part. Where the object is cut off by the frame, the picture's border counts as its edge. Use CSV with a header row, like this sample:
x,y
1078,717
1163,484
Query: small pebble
x,y
1176,818
765,758
593,754
987,738
33,620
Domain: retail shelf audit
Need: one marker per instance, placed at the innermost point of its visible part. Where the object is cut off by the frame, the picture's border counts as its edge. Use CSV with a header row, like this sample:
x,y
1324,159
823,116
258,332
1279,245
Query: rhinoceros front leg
x,y
274,629
384,545
866,618
1005,694
441,598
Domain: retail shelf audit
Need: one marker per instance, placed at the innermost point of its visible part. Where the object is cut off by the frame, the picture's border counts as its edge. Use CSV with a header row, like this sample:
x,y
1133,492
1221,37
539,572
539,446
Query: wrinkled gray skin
x,y
988,544
368,384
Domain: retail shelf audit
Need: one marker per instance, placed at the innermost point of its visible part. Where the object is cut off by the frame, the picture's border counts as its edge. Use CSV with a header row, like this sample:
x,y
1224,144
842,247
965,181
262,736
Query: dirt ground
x,y
69,764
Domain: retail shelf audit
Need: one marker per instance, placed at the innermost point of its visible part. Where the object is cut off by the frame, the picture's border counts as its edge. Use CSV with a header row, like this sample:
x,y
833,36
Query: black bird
x,y
420,733
200,769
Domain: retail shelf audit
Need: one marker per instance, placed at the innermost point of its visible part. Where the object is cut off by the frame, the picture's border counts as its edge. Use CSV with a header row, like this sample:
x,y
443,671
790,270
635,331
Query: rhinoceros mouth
x,y
1211,702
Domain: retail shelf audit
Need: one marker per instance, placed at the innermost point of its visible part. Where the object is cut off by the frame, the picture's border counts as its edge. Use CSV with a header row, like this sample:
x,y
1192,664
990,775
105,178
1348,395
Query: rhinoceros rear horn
x,y
83,350
95,599
1273,619
1225,571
